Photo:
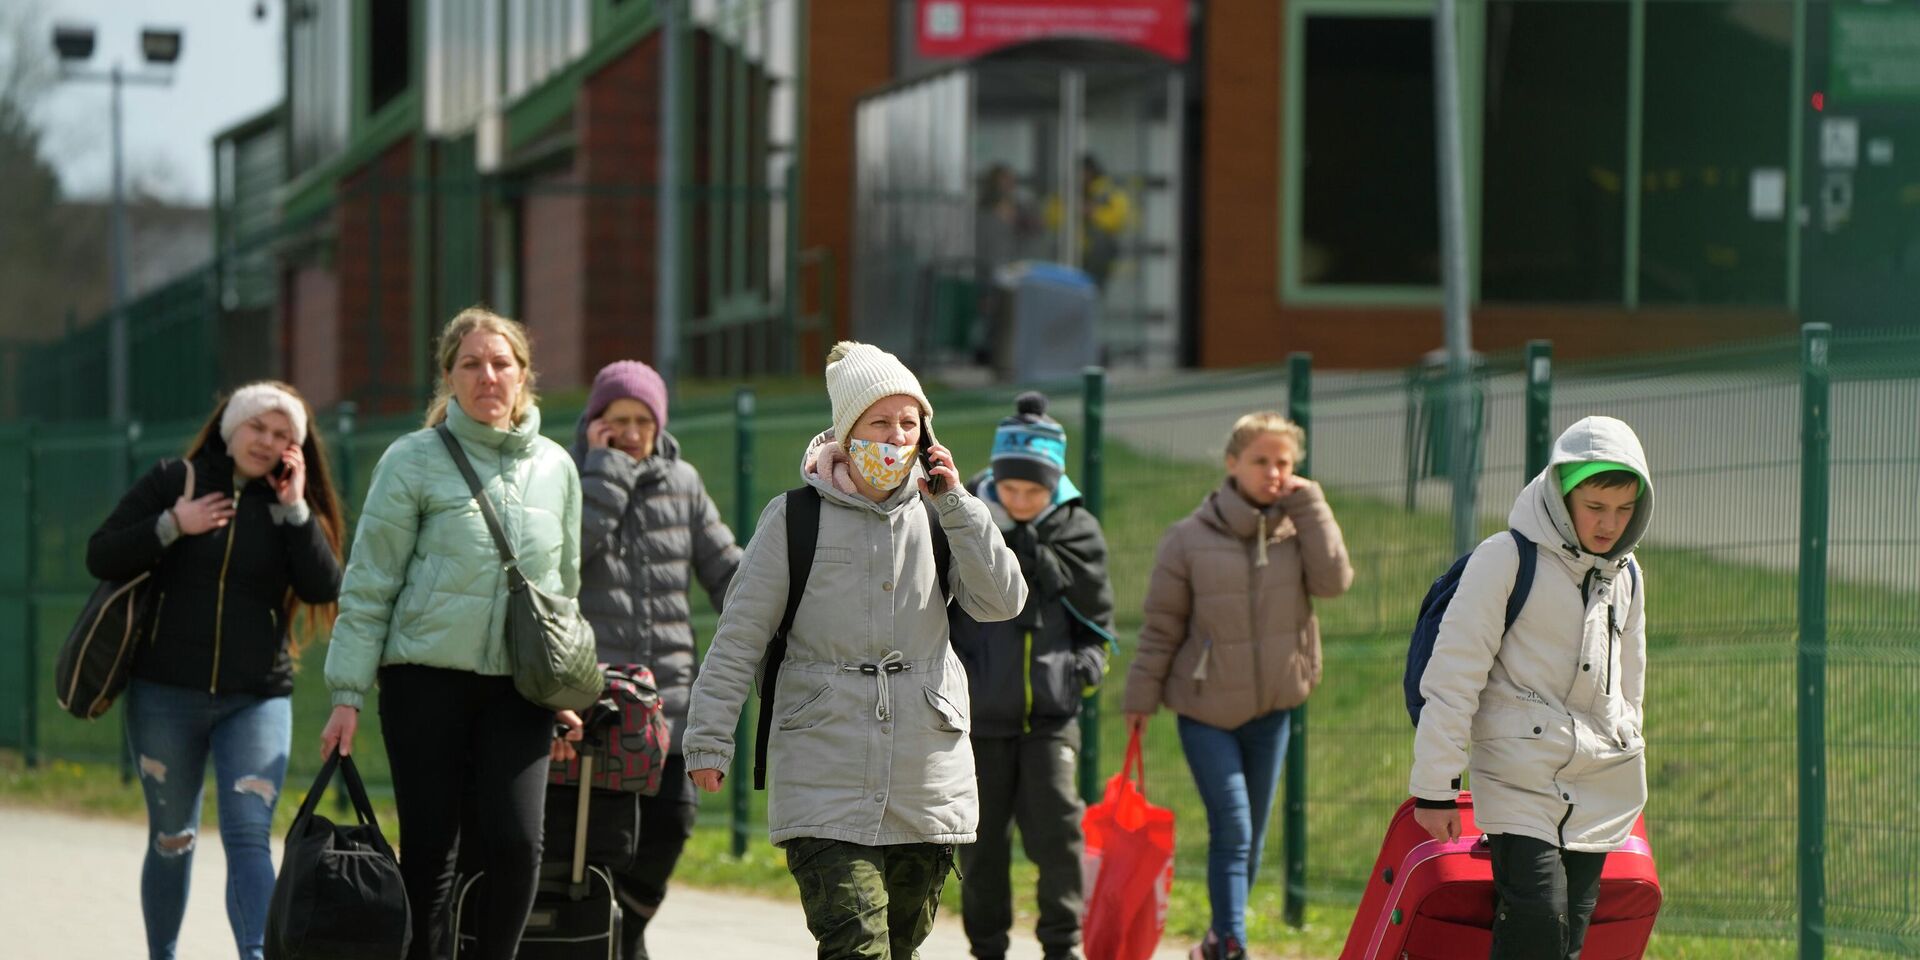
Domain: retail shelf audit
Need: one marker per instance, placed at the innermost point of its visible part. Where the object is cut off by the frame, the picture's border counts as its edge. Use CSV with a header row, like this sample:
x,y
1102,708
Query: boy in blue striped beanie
x,y
1030,446
1027,677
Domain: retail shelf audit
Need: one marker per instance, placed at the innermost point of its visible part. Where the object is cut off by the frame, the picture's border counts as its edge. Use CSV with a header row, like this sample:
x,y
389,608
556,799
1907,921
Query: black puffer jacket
x,y
1031,672
221,624
649,529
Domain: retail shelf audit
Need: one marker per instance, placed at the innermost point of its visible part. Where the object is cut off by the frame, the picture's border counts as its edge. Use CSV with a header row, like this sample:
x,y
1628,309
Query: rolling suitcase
x,y
575,913
1433,900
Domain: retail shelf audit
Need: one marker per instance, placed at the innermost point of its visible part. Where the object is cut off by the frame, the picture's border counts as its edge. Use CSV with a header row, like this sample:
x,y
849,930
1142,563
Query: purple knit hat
x,y
628,380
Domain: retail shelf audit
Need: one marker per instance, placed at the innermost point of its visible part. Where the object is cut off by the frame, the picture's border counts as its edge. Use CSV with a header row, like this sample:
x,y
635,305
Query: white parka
x,y
871,756
1547,718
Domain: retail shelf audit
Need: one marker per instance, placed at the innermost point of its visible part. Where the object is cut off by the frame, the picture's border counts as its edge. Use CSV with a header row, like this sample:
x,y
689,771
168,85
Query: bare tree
x,y
33,272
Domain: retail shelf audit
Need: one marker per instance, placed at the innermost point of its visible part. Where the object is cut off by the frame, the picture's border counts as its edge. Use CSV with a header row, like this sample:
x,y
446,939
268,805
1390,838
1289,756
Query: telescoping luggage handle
x,y
578,878
357,791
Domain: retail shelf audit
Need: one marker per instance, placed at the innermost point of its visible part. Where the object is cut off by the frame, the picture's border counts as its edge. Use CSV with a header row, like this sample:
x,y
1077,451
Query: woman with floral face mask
x,y
870,766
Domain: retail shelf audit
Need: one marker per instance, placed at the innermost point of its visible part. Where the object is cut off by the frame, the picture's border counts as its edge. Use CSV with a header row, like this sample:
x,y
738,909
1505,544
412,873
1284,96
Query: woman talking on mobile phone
x,y
869,763
256,542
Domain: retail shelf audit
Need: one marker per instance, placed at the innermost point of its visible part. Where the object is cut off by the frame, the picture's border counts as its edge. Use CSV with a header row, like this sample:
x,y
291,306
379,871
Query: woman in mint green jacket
x,y
423,608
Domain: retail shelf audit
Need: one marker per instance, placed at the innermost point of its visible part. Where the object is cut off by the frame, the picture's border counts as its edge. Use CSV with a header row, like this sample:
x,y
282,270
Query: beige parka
x,y
1548,717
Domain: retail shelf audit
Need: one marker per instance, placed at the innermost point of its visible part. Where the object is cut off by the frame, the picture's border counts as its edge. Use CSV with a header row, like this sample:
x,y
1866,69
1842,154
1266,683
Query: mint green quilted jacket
x,y
424,584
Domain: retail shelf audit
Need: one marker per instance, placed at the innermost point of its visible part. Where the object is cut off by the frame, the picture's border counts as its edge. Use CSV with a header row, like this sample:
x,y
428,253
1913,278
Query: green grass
x,y
1721,727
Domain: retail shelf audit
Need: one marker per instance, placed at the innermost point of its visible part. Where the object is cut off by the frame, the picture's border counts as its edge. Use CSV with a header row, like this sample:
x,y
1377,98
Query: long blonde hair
x,y
468,321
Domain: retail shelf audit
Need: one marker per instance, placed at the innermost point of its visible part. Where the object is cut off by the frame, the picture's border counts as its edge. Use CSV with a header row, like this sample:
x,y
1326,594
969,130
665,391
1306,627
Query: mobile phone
x,y
935,484
279,470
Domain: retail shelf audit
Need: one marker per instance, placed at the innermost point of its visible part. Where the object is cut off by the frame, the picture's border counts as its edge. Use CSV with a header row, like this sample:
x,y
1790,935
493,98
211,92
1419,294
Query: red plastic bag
x,y
1127,866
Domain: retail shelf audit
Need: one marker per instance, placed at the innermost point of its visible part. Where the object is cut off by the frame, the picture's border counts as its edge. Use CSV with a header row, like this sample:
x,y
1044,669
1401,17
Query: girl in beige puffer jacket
x,y
1230,644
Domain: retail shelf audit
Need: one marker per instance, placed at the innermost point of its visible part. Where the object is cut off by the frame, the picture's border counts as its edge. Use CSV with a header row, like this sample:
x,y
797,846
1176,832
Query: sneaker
x,y
1213,948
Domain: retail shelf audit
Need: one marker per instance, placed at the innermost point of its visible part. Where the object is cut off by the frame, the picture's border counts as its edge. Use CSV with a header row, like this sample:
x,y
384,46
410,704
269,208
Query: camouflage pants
x,y
868,903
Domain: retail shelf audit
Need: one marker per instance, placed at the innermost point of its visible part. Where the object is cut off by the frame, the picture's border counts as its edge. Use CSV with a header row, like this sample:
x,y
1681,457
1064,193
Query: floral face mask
x,y
885,465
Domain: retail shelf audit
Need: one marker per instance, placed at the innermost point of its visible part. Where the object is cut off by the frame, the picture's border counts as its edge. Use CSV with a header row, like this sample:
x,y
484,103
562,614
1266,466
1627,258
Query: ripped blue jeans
x,y
172,730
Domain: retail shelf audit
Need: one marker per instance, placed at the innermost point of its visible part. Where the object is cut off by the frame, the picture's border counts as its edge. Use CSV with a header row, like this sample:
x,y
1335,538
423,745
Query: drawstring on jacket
x,y
894,662
1260,555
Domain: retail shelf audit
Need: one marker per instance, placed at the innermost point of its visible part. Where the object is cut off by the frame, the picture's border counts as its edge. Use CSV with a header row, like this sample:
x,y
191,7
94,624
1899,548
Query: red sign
x,y
969,28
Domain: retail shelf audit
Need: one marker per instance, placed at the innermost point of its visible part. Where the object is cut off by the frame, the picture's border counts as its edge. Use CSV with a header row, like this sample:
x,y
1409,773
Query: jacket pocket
x,y
1202,662
1629,740
1508,725
948,716
832,555
808,713
1518,747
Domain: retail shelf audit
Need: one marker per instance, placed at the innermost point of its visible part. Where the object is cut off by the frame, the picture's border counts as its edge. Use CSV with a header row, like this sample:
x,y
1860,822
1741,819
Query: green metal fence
x,y
1783,711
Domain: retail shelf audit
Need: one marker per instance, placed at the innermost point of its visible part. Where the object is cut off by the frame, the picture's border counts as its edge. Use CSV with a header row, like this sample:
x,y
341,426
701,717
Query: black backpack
x,y
803,531
339,896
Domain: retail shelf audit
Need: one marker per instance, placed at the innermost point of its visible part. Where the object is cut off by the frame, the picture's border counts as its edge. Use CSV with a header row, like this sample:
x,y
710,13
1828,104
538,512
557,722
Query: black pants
x,y
457,739
1026,780
666,822
1545,898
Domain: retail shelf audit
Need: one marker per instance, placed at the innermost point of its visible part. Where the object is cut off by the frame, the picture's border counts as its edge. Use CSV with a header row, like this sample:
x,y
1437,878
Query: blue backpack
x,y
1433,608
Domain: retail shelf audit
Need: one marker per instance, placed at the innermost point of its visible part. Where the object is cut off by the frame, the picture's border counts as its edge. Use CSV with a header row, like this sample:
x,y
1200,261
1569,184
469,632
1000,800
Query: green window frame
x,y
1472,22
1292,290
403,110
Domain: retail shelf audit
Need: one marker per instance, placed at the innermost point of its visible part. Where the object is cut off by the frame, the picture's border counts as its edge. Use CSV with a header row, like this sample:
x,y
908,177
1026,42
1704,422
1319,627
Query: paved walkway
x,y
70,890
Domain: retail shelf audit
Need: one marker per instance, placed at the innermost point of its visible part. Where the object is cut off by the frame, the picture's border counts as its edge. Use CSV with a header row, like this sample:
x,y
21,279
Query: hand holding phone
x,y
289,476
935,483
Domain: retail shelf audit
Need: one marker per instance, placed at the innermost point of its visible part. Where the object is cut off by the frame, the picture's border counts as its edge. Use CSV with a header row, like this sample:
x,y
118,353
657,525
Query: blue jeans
x,y
172,730
1237,772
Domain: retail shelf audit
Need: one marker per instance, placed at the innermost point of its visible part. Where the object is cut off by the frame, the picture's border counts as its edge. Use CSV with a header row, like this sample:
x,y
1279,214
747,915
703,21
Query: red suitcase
x,y
1433,900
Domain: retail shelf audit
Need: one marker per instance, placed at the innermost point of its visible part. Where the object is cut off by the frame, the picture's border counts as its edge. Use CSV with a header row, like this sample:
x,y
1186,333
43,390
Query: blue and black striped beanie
x,y
1030,445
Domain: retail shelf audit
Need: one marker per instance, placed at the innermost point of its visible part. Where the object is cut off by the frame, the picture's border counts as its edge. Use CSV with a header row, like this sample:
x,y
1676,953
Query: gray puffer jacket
x,y
869,742
648,529
1548,716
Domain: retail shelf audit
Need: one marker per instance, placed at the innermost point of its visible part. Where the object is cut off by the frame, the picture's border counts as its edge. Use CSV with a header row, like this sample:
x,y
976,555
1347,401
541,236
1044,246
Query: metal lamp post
x,y
160,48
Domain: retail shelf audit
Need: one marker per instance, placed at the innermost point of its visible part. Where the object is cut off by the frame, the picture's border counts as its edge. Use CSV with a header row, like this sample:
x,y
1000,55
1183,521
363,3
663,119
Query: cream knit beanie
x,y
255,399
858,374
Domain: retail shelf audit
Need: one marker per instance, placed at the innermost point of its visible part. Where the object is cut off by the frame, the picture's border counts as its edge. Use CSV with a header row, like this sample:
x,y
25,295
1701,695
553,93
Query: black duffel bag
x,y
93,665
339,896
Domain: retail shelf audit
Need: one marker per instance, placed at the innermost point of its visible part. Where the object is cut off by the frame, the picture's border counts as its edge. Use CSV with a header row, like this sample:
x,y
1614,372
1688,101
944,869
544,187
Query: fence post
x,y
30,723
743,517
1093,415
1294,826
130,471
1539,406
1816,435
342,488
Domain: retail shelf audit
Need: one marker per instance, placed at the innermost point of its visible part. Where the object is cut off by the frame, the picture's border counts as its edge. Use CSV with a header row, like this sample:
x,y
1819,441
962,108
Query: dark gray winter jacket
x,y
1032,671
648,529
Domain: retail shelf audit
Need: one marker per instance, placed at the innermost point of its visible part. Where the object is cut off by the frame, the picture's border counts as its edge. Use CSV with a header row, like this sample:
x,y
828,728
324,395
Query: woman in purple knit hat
x,y
648,530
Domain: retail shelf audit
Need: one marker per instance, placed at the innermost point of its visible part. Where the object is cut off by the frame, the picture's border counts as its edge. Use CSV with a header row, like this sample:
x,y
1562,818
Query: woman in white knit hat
x,y
240,535
869,761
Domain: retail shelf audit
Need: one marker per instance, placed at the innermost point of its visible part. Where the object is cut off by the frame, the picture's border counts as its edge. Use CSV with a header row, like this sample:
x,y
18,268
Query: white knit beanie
x,y
255,399
858,374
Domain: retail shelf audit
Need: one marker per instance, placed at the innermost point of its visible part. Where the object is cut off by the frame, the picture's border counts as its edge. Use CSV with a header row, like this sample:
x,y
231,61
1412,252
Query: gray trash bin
x,y
1056,312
